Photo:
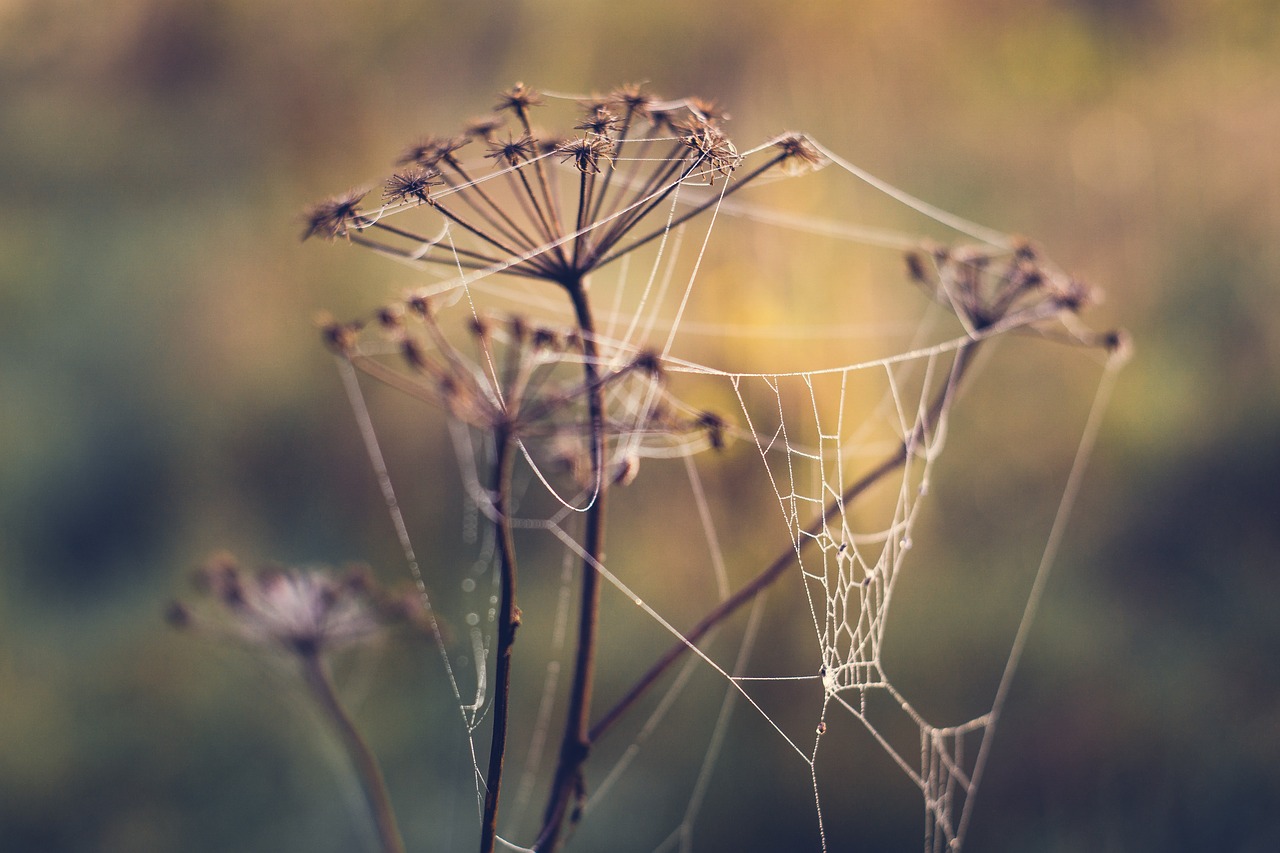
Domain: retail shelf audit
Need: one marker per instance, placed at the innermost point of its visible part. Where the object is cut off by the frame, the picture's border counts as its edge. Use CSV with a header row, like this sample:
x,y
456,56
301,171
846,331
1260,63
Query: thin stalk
x,y
488,264
584,199
632,171
418,238
543,183
575,743
659,185
511,229
551,232
534,262
693,211
372,783
508,622
617,152
775,570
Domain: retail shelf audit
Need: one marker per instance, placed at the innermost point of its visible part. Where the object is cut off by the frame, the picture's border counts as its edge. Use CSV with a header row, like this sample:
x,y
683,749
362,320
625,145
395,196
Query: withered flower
x,y
413,185
711,145
334,216
514,151
305,612
484,127
633,156
599,121
432,150
586,153
800,155
633,100
519,98
983,289
709,110
308,615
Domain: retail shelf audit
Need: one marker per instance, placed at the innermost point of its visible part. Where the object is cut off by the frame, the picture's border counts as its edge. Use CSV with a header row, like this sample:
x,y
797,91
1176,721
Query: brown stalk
x,y
659,185
550,233
534,262
504,223
575,743
508,622
694,211
372,783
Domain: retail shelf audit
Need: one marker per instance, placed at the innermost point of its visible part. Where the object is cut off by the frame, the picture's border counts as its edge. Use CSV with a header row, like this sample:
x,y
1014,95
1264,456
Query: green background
x,y
163,395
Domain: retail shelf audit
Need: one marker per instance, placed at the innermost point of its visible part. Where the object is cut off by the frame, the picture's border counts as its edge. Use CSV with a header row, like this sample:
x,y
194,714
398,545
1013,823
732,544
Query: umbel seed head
x,y
303,612
334,217
555,208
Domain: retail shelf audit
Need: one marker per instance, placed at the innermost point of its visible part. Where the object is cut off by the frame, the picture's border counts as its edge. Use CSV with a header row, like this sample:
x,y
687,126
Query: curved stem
x,y
367,769
508,621
576,742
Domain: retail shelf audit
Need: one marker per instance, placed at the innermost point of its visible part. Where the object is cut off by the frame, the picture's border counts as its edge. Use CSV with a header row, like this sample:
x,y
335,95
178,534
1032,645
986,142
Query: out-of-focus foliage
x,y
164,392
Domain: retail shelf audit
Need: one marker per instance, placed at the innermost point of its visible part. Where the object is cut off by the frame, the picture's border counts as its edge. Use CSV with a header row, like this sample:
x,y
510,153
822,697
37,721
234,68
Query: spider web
x,y
844,454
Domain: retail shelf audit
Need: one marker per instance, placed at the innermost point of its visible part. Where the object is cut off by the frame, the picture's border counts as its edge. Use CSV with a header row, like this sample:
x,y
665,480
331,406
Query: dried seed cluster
x,y
304,612
514,378
549,207
984,290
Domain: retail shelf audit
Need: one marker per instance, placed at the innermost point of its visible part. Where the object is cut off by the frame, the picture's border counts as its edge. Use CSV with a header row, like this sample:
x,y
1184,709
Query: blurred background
x,y
165,395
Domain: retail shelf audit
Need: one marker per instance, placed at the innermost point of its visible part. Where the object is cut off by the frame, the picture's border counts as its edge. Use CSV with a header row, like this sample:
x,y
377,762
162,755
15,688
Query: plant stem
x,y
575,743
508,621
366,764
775,570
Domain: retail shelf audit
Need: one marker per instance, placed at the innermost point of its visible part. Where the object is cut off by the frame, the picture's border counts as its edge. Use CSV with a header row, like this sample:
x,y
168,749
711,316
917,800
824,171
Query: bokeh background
x,y
164,396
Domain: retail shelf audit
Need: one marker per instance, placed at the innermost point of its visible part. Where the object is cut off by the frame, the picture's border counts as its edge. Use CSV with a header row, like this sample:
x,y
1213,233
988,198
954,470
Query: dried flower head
x,y
432,150
483,127
304,612
514,151
984,289
586,153
799,154
711,146
335,216
523,218
600,121
339,337
708,110
632,100
519,98
412,185
715,428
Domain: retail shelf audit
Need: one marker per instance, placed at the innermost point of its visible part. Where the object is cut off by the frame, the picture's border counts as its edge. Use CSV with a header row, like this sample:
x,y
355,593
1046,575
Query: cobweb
x,y
835,460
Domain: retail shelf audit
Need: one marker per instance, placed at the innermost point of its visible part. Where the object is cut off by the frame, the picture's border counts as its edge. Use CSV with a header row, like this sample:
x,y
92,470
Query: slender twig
x,y
534,261
508,621
507,225
575,743
692,212
371,780
541,172
657,188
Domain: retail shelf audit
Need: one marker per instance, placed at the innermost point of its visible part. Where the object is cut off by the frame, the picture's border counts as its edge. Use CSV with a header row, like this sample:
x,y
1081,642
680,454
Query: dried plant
x,y
557,209
308,615
634,153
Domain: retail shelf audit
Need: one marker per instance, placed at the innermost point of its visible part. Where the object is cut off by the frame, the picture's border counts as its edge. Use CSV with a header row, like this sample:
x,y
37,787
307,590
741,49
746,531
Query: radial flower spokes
x,y
554,208
527,379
